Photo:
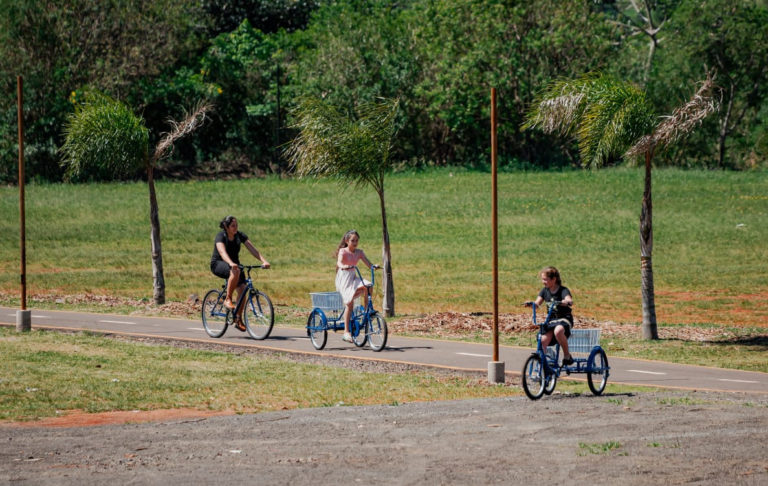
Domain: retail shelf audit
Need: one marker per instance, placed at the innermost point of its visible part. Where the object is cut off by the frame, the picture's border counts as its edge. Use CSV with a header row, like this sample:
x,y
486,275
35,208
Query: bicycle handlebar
x,y
373,278
552,305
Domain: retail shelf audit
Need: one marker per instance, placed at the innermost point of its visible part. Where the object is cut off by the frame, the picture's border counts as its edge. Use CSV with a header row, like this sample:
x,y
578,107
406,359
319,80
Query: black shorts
x,y
551,325
220,268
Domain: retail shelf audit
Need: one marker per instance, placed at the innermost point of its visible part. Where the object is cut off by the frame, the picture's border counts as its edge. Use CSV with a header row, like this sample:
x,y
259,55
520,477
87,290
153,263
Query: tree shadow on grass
x,y
757,341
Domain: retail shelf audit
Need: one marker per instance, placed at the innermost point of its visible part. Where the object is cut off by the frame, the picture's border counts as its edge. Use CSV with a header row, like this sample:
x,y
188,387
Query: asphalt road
x,y
424,352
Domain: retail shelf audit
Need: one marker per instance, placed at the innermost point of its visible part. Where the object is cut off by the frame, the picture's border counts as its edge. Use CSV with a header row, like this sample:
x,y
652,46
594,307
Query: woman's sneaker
x,y
347,337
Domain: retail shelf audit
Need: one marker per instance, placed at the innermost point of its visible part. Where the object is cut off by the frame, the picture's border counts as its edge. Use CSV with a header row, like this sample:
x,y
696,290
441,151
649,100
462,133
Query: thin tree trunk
x,y
724,131
157,251
646,261
649,60
386,262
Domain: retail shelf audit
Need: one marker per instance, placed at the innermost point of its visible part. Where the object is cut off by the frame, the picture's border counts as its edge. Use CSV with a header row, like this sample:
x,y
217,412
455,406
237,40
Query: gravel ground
x,y
641,438
653,438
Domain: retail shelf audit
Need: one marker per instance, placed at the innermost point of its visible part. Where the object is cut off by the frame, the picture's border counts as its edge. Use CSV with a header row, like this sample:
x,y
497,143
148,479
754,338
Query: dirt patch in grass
x,y
457,325
437,325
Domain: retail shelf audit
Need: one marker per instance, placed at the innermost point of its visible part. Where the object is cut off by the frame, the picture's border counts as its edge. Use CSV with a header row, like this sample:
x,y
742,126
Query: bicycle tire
x,y
316,329
534,377
597,364
214,314
550,383
259,315
359,334
377,332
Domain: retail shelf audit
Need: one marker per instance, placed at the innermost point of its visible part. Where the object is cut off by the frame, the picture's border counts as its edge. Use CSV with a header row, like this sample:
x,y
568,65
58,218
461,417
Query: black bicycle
x,y
258,316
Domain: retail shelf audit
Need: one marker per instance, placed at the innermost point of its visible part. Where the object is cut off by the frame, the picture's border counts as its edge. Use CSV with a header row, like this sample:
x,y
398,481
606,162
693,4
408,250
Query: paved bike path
x,y
418,351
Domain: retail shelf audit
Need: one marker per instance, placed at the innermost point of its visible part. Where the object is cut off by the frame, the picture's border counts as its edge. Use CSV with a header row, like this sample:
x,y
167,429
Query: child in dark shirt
x,y
559,327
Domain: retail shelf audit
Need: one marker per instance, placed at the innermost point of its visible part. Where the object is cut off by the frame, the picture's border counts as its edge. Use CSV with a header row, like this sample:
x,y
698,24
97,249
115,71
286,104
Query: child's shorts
x,y
551,325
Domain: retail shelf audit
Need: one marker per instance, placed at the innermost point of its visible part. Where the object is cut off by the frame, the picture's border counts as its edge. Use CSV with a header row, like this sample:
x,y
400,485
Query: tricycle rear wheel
x,y
316,329
597,377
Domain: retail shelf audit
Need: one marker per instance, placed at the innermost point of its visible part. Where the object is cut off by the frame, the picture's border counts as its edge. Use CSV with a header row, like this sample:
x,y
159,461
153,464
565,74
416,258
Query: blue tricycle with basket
x,y
542,370
366,325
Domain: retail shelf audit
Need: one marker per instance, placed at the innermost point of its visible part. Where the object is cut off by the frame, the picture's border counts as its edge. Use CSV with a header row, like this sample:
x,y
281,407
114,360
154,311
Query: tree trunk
x,y
386,262
724,121
646,251
157,251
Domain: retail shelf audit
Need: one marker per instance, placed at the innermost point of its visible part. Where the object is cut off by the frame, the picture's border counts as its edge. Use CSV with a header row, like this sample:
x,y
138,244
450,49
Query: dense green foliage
x,y
257,58
104,140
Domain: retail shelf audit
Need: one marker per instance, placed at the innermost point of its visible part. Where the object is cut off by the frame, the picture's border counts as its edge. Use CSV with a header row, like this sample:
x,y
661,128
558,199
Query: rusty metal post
x,y
495,367
23,316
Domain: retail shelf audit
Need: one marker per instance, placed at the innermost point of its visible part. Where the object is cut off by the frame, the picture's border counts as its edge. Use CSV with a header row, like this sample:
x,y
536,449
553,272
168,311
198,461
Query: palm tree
x,y
105,140
356,150
609,118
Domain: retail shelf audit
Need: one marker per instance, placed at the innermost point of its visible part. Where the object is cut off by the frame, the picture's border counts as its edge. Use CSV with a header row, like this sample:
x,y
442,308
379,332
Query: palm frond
x,y
103,139
331,144
682,121
617,115
192,121
559,106
604,114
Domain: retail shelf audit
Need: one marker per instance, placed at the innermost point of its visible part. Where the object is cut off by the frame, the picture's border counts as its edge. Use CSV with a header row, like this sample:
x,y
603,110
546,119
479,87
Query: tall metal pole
x,y
22,225
494,218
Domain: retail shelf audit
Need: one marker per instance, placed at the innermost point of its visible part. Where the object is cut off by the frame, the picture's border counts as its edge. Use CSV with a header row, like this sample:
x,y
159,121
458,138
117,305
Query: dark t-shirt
x,y
233,246
562,311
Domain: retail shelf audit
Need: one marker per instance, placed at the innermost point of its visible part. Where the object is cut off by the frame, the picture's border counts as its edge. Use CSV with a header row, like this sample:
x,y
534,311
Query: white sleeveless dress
x,y
347,281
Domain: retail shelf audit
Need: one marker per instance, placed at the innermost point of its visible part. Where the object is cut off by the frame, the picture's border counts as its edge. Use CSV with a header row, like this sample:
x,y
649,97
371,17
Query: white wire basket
x,y
582,341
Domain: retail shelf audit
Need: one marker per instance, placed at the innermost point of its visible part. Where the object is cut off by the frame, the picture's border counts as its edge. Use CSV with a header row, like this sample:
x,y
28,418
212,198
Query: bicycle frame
x,y
362,314
550,360
240,298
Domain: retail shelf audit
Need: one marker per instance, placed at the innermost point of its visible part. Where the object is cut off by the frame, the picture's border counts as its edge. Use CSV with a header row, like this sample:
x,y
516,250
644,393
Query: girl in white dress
x,y
348,284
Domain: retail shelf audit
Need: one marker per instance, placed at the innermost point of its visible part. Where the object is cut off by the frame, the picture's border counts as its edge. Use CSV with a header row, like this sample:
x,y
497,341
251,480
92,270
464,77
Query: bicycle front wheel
x,y
534,379
259,315
359,335
214,314
550,384
377,332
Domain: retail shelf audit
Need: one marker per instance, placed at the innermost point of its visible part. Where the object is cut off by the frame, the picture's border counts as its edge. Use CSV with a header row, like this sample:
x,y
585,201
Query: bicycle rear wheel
x,y
377,332
316,329
259,315
534,378
597,377
214,313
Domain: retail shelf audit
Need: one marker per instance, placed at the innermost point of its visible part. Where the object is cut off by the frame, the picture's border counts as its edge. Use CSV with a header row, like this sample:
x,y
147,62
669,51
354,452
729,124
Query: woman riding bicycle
x,y
559,327
226,258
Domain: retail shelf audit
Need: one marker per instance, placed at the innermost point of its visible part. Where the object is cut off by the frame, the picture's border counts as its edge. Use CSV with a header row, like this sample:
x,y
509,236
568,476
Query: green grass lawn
x,y
709,263
709,233
45,372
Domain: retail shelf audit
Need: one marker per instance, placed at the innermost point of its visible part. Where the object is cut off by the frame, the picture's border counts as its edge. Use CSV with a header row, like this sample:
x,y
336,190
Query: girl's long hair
x,y
344,240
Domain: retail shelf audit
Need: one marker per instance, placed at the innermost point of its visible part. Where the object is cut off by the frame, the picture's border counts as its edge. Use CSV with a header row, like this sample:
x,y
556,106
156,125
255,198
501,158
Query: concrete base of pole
x,y
23,320
495,372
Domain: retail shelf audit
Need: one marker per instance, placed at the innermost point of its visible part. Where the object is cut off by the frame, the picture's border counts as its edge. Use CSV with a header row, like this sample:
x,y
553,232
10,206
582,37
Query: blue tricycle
x,y
542,370
365,323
